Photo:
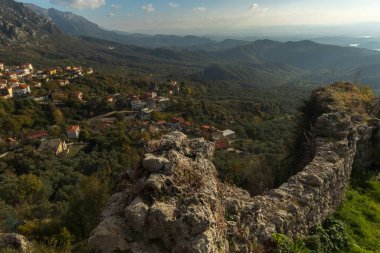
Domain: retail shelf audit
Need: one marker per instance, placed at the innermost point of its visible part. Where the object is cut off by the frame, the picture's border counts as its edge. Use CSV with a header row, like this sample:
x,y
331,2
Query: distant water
x,y
354,45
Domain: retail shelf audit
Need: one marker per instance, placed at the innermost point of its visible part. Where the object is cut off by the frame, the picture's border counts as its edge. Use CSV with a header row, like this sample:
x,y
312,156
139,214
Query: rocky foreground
x,y
176,202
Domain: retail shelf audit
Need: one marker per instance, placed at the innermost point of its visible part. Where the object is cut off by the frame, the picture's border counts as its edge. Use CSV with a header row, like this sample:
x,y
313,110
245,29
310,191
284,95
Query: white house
x,y
229,134
136,104
21,90
145,114
27,66
23,72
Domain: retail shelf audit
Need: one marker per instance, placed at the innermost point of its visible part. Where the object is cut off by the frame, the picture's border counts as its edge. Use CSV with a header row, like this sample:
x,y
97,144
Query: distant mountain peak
x,y
76,25
19,25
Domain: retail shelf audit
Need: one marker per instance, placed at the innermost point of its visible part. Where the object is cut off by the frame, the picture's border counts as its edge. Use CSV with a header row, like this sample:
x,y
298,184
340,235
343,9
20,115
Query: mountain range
x,y
48,36
76,25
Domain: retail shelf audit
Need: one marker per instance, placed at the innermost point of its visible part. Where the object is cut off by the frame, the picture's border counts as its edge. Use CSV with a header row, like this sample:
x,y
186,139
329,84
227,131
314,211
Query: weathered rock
x,y
154,164
15,242
19,25
111,235
176,207
135,214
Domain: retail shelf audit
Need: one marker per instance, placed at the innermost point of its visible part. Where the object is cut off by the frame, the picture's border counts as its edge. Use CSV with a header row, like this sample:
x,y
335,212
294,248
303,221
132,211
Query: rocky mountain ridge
x,y
176,202
76,25
21,26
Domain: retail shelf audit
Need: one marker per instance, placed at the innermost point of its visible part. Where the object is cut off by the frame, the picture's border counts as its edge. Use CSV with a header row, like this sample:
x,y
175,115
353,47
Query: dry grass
x,y
355,98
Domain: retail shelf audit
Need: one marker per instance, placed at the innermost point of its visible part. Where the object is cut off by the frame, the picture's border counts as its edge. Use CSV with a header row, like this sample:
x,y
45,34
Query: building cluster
x,y
222,138
18,81
48,144
142,105
148,103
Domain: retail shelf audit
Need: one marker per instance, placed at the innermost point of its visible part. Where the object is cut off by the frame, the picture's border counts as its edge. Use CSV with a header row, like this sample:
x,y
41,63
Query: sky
x,y
215,16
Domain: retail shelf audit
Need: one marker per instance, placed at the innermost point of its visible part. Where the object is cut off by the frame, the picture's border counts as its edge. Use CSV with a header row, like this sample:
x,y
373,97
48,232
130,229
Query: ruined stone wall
x,y
307,198
176,203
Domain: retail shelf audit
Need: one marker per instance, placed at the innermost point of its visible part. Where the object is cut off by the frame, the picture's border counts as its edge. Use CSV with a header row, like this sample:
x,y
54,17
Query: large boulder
x,y
15,242
154,164
135,214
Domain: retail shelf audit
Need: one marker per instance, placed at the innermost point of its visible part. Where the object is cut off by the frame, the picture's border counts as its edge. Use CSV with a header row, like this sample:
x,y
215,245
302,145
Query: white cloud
x,y
115,6
173,5
257,9
79,4
200,9
111,14
253,7
148,8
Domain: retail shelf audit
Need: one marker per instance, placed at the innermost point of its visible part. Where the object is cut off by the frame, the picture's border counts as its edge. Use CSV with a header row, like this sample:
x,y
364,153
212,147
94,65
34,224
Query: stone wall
x,y
173,205
176,203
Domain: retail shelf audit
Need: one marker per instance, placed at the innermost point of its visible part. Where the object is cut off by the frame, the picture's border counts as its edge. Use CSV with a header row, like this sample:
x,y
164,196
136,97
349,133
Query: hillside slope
x,y
301,54
21,26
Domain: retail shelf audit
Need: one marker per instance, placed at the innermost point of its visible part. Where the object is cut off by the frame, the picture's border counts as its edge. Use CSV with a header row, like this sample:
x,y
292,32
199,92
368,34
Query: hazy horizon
x,y
223,17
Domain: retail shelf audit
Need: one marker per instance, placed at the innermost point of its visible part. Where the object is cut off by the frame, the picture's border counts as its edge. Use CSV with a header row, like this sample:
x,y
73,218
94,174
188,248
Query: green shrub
x,y
355,227
332,236
285,244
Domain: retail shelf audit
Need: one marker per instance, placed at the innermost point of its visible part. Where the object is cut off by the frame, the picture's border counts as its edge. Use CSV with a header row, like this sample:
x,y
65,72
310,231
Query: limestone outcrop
x,y
14,241
177,203
20,26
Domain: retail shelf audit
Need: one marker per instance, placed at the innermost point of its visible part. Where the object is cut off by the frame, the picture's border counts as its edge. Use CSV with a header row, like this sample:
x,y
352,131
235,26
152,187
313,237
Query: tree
x,y
30,189
8,218
8,189
58,116
85,207
120,116
63,240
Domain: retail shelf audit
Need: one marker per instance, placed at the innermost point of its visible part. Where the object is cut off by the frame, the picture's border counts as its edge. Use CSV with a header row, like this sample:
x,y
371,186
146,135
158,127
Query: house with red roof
x,y
21,90
63,82
73,132
14,82
222,144
37,135
108,99
78,95
11,141
161,122
3,83
176,122
11,75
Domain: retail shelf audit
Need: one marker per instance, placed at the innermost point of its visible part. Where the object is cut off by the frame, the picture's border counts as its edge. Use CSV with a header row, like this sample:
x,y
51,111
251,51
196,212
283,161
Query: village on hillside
x,y
24,82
